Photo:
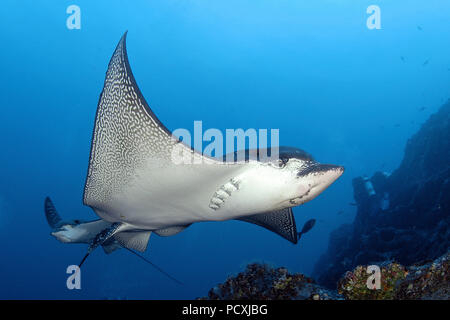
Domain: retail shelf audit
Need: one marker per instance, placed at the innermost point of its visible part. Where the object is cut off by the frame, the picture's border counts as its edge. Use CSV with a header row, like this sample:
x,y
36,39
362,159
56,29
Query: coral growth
x,y
354,286
261,282
420,281
427,281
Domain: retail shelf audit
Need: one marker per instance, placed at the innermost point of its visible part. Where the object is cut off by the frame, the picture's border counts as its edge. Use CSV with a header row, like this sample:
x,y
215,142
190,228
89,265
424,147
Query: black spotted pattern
x,y
281,222
126,134
104,235
53,218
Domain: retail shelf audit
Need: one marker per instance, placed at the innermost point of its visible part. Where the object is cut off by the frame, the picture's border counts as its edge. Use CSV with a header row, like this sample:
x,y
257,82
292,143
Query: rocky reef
x,y
403,216
261,282
420,281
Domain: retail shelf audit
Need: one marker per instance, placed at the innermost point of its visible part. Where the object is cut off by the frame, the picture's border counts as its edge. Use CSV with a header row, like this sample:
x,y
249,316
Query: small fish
x,y
402,58
426,62
397,125
306,227
352,203
340,212
419,28
422,108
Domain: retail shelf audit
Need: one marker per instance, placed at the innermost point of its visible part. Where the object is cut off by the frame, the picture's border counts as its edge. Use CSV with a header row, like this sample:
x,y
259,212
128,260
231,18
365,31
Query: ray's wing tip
x,y
48,202
122,45
293,238
124,36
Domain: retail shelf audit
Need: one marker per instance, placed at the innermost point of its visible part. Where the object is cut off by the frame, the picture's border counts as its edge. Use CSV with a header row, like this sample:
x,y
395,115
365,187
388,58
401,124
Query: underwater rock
x,y
428,280
420,281
262,282
403,216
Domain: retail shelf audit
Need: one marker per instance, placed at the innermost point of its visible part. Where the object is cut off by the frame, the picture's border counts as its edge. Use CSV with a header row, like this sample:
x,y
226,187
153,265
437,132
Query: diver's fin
x,y
51,214
280,221
102,237
136,240
170,231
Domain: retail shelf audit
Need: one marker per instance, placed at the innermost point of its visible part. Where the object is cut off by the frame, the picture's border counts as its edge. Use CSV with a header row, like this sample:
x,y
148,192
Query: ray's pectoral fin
x,y
171,231
280,222
137,240
111,245
102,237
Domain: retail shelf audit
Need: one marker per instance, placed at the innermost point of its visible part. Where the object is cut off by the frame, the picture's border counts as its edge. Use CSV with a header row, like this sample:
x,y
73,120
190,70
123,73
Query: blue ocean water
x,y
346,94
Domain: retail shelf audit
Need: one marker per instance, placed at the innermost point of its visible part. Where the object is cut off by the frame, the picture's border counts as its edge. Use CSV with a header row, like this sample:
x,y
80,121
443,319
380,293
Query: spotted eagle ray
x,y
136,188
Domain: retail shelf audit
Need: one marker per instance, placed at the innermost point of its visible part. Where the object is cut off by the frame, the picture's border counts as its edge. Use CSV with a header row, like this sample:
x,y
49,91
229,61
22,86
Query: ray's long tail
x,y
155,266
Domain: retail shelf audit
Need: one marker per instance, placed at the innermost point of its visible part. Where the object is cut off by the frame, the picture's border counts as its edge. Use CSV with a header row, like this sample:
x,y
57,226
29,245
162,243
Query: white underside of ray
x,y
81,233
183,194
132,178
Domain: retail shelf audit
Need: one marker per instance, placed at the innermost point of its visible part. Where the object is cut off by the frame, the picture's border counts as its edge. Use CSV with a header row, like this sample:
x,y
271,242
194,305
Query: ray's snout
x,y
321,175
318,168
332,171
329,168
313,179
